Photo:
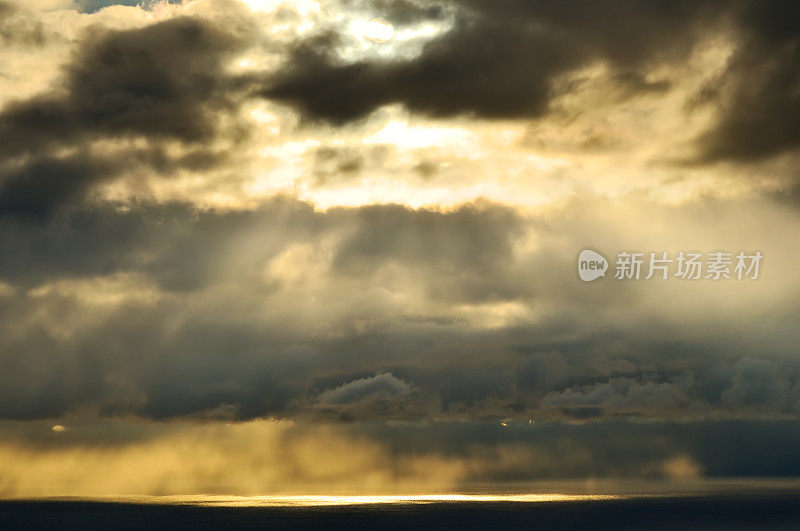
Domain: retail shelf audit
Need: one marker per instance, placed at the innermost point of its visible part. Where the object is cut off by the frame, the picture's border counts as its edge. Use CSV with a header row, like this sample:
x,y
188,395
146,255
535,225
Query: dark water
x,y
772,511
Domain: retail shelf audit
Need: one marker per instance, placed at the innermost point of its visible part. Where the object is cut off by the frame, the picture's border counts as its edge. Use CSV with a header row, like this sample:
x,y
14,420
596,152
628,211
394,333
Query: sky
x,y
257,247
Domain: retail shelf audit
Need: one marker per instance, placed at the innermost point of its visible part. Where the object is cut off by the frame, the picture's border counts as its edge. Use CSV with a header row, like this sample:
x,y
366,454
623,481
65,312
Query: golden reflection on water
x,y
315,500
553,491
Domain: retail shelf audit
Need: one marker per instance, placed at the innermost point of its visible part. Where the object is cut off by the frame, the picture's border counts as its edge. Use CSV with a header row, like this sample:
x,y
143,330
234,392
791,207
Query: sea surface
x,y
764,505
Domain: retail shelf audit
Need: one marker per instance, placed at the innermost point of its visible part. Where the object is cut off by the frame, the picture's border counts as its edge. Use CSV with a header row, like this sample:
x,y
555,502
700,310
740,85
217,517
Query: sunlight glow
x,y
321,501
400,133
303,7
375,30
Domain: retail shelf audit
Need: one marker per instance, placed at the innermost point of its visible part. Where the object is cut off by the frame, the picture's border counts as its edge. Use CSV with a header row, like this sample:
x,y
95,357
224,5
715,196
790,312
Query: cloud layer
x,y
364,217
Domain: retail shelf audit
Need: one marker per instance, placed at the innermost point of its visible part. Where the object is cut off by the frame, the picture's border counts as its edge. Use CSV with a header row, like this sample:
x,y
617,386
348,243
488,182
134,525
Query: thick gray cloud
x,y
498,61
168,81
623,396
760,106
470,246
470,250
164,310
757,382
37,188
385,312
381,396
502,62
364,389
214,361
164,81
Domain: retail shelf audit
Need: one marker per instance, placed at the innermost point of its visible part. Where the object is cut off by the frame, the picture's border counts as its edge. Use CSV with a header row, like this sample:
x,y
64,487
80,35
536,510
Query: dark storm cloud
x,y
162,81
164,310
36,189
470,250
186,252
623,396
498,61
758,93
215,360
471,246
364,389
175,243
183,357
542,372
501,61
757,382
381,396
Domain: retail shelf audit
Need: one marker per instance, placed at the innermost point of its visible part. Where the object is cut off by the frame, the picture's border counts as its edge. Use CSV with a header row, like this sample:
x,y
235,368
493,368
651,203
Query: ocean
x,y
724,510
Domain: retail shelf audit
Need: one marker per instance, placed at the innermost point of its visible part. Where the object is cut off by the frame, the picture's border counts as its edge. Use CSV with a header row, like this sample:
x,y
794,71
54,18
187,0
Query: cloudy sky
x,y
256,246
